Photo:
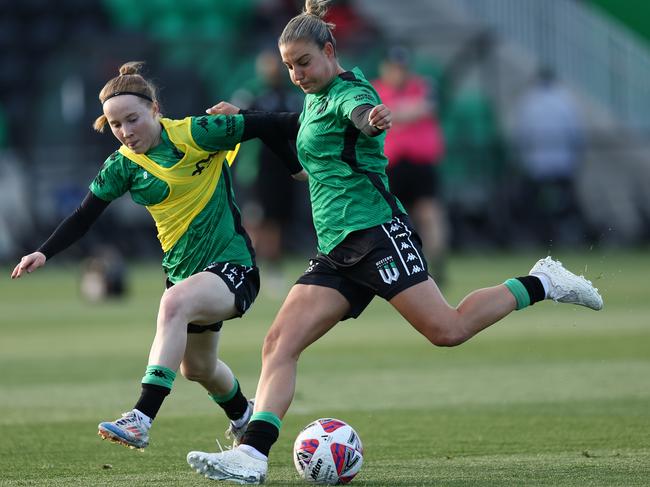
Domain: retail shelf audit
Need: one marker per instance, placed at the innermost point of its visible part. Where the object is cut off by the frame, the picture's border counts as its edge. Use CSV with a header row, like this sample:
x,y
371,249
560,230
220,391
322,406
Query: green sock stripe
x,y
519,291
159,375
268,417
226,397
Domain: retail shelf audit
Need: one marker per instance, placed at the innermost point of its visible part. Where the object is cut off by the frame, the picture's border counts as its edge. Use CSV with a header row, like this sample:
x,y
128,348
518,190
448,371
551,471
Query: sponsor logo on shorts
x,y
387,269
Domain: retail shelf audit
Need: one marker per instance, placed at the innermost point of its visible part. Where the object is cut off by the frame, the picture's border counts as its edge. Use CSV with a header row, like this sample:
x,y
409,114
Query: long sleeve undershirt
x,y
75,226
284,125
277,131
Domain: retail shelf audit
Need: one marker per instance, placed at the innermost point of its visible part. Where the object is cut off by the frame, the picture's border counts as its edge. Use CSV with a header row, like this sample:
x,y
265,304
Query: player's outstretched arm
x,y
29,263
278,131
71,229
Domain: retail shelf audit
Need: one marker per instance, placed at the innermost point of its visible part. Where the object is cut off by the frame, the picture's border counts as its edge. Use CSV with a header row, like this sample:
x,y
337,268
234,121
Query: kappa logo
x,y
387,270
203,123
99,180
311,267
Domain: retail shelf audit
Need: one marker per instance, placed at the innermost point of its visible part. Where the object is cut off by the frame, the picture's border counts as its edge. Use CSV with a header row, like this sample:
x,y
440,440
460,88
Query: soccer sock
x,y
143,417
156,385
262,432
527,290
252,452
544,280
234,403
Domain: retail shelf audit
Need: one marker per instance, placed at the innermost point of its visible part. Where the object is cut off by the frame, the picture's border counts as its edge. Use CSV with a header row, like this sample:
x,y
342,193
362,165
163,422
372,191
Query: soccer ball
x,y
328,451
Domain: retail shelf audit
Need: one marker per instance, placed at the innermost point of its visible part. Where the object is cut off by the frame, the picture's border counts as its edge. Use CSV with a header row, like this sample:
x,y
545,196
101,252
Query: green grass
x,y
555,395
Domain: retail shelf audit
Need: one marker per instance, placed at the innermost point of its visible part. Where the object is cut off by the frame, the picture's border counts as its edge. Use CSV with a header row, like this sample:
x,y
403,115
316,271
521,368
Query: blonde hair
x,y
129,81
310,25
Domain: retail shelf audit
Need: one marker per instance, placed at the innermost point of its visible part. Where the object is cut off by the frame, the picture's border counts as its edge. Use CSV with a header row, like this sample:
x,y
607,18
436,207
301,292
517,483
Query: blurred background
x,y
543,108
536,117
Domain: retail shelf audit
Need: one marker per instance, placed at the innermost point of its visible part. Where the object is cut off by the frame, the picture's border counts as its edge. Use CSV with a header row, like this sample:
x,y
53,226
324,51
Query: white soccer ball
x,y
328,451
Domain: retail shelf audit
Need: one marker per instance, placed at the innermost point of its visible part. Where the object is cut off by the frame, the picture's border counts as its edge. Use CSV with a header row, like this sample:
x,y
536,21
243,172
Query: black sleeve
x,y
278,131
359,118
270,124
74,226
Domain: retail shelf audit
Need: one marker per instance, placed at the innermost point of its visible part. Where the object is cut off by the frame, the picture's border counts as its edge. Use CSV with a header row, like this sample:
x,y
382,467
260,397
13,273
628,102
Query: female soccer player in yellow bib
x,y
179,170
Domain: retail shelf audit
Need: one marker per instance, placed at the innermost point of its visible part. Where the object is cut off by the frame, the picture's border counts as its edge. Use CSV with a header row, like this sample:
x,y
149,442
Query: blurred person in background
x,y
274,203
179,170
366,243
103,275
16,220
414,148
550,143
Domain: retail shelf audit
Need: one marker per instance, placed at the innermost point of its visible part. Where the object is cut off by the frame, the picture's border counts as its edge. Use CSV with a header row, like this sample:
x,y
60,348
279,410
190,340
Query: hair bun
x,y
132,67
317,8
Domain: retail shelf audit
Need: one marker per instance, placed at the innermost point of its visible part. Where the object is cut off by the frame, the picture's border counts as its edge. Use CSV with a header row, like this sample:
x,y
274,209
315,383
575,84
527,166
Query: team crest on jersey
x,y
387,269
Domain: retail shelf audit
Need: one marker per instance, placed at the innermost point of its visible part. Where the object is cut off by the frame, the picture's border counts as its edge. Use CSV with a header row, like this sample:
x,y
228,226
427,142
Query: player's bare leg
x,y
306,315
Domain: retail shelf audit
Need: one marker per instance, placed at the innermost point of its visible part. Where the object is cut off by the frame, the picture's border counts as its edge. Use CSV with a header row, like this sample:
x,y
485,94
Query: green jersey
x,y
215,234
347,168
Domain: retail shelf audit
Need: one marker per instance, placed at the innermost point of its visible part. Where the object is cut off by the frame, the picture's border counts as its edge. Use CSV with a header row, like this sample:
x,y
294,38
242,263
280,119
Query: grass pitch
x,y
555,395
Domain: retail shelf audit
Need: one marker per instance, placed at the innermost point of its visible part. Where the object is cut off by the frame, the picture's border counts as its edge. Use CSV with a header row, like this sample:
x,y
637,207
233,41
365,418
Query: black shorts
x,y
382,260
411,182
243,281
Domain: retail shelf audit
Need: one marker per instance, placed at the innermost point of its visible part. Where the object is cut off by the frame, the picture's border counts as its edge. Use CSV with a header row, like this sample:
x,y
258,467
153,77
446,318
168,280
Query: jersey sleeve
x,y
217,132
356,96
113,179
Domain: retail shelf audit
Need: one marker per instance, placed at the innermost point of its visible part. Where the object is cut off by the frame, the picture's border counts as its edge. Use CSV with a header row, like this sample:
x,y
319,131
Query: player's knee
x,y
446,340
196,370
171,306
271,344
444,334
277,347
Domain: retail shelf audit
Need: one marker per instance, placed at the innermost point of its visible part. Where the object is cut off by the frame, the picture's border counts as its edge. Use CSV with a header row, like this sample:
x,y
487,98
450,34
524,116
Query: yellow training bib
x,y
191,181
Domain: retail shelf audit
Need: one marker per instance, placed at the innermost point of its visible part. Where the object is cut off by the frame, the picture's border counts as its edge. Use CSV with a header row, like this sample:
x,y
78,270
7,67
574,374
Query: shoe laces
x,y
230,433
128,417
221,448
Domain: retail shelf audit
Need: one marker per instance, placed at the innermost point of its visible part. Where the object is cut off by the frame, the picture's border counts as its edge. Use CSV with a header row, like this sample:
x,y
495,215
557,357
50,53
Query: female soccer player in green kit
x,y
178,169
366,244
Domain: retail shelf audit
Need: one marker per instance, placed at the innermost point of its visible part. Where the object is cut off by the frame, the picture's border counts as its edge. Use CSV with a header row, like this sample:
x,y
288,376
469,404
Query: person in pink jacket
x,y
415,147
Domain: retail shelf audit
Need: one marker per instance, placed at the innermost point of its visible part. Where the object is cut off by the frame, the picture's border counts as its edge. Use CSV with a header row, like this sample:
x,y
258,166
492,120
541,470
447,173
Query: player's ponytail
x,y
310,26
129,81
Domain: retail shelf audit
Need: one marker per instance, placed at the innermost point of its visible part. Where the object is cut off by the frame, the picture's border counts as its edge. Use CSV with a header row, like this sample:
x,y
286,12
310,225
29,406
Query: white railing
x,y
594,53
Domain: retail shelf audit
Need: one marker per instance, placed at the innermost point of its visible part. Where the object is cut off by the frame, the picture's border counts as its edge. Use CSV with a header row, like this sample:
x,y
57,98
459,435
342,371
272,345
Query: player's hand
x,y
380,117
29,263
300,176
223,108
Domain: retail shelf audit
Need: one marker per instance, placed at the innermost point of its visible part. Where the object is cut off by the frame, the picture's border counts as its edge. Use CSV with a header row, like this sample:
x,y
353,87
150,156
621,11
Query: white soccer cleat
x,y
237,433
565,286
130,430
231,465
